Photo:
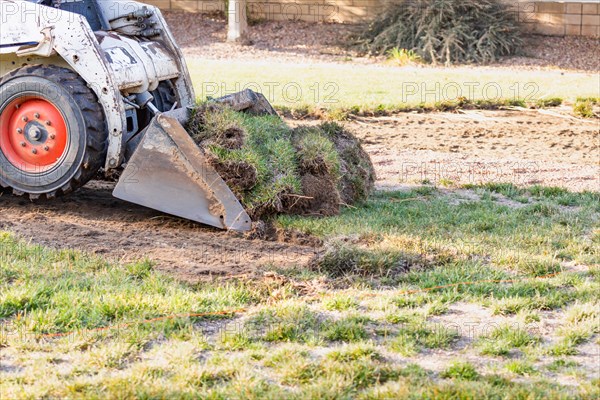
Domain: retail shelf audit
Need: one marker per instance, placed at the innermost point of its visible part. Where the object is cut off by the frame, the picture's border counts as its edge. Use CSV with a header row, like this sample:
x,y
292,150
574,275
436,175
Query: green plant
x,y
584,107
350,329
402,57
551,102
461,370
444,30
285,323
505,338
576,333
446,182
520,367
563,348
340,303
359,351
561,364
291,347
341,259
412,337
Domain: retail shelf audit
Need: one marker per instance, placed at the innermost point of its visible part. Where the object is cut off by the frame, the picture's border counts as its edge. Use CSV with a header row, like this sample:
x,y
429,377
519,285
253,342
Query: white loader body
x,y
126,55
112,64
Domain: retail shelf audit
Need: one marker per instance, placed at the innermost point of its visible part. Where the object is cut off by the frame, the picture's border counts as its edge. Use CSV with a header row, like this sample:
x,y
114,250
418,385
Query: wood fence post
x,y
238,21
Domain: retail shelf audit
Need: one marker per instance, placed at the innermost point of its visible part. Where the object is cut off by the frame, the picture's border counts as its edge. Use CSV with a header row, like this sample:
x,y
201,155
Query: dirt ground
x,y
93,221
524,147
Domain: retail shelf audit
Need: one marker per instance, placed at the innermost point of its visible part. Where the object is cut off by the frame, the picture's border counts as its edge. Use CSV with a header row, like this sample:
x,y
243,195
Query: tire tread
x,y
93,115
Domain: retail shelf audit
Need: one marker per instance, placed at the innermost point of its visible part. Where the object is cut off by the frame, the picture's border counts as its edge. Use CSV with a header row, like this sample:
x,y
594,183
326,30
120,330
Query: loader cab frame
x,y
87,8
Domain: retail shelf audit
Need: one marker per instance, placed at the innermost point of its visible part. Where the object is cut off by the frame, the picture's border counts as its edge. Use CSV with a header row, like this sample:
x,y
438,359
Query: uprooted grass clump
x,y
274,169
444,31
584,107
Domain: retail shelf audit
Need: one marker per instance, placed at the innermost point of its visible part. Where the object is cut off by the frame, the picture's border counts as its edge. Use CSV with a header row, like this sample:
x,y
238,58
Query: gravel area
x,y
204,36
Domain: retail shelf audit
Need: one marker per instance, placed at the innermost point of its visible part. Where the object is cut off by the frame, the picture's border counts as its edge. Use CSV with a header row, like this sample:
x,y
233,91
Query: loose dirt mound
x,y
273,169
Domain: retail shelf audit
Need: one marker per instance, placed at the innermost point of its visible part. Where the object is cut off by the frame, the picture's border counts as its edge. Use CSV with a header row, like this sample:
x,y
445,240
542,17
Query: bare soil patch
x,y
525,147
91,220
568,52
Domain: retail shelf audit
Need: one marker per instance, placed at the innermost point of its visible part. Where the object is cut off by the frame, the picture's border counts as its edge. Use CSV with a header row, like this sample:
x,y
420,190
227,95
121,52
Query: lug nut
x,y
17,106
36,115
46,148
34,151
19,130
48,123
52,136
25,119
23,144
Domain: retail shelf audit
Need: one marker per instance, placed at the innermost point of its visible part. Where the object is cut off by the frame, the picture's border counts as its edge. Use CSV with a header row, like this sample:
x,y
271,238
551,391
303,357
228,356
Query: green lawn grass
x,y
371,88
532,239
360,334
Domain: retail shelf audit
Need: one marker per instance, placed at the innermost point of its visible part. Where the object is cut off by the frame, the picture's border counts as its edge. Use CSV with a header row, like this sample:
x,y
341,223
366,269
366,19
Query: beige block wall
x,y
204,6
562,18
315,11
348,11
541,17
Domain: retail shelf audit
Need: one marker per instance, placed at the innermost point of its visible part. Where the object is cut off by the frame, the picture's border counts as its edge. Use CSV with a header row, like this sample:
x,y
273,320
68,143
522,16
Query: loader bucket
x,y
169,172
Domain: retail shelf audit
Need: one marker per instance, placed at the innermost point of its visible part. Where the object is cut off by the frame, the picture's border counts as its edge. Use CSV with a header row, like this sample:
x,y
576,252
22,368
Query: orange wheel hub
x,y
33,134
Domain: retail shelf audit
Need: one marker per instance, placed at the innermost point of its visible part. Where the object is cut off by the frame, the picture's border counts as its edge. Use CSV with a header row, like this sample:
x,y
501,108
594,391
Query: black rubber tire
x,y
86,129
165,96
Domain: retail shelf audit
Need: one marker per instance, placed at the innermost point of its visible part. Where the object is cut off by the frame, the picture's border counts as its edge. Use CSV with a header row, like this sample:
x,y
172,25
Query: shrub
x,y
447,31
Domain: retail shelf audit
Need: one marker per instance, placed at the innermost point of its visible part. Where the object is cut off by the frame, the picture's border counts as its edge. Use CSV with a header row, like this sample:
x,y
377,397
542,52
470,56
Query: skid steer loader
x,y
91,84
